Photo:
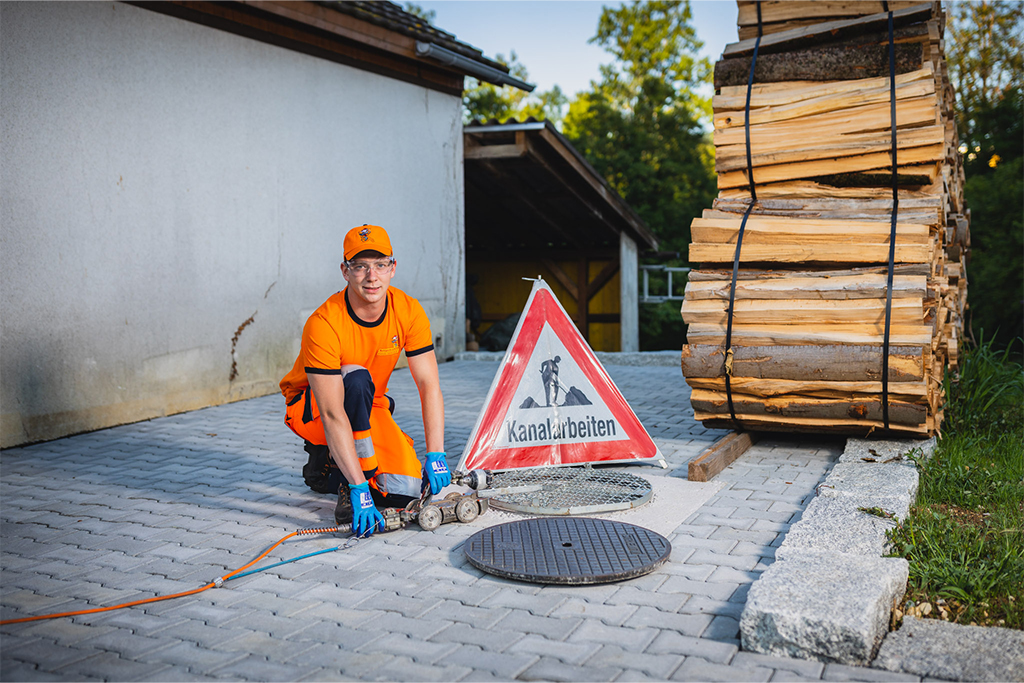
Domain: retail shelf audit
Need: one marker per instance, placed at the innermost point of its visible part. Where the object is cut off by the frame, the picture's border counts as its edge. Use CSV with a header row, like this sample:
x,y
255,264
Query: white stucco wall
x,y
629,268
163,181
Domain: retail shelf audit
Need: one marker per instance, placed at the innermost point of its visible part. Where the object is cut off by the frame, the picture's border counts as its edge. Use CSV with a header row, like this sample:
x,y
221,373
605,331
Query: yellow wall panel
x,y
501,290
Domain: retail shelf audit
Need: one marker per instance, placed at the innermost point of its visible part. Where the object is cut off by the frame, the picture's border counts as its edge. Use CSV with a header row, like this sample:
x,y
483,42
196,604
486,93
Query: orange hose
x,y
158,598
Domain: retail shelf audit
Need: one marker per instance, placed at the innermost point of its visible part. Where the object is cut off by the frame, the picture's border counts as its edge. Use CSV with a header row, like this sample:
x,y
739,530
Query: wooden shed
x,y
534,206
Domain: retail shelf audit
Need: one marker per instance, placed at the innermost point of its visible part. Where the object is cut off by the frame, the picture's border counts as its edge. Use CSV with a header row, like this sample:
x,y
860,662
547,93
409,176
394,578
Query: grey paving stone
x,y
14,670
570,653
611,615
845,672
190,656
810,669
549,669
406,669
539,605
504,666
419,650
257,668
101,666
521,621
686,624
657,665
938,649
669,642
697,669
718,591
821,605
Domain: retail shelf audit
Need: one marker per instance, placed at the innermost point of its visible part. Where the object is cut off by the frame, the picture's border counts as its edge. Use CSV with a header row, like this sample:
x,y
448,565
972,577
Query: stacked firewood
x,y
808,323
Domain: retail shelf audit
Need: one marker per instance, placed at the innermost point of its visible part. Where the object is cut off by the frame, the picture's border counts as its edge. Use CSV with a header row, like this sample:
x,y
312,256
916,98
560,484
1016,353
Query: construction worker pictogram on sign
x,y
552,403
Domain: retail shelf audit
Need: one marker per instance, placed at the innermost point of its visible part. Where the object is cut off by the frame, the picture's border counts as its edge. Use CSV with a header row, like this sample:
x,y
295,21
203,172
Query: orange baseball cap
x,y
367,238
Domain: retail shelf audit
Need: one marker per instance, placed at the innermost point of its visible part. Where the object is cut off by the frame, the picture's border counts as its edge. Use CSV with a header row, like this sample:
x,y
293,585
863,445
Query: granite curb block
x,y
823,605
664,359
830,593
940,649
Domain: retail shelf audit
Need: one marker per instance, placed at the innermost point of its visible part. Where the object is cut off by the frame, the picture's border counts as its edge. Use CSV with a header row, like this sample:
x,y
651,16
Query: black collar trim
x,y
359,321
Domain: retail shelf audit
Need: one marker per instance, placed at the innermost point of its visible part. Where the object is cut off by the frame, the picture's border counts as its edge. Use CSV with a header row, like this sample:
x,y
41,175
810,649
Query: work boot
x,y
343,510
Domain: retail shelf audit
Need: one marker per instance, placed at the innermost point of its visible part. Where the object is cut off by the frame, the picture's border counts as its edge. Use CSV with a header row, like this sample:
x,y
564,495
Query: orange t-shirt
x,y
333,336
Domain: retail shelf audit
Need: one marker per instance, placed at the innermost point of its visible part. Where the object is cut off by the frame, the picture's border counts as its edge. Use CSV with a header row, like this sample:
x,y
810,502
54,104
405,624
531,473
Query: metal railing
x,y
645,295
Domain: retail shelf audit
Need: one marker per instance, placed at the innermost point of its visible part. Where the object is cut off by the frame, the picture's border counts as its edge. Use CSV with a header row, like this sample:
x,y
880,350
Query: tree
x,y
987,69
424,14
485,101
640,127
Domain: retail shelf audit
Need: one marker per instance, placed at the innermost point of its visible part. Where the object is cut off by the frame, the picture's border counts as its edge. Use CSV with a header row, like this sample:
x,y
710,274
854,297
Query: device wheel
x,y
466,510
429,518
454,495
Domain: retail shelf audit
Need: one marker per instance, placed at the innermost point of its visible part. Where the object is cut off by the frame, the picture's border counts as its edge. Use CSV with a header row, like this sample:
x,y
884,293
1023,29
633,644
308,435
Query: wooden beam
x,y
720,455
562,278
830,31
602,278
583,298
494,152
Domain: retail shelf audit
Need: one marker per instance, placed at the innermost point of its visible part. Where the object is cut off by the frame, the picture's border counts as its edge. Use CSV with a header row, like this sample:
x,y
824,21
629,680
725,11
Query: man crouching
x,y
336,391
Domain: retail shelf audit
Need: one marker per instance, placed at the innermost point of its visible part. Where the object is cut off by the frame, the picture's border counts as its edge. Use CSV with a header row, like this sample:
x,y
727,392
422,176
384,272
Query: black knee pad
x,y
359,391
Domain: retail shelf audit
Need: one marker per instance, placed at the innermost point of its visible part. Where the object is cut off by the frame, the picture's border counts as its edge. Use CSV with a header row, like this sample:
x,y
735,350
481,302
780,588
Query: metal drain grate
x,y
570,490
568,550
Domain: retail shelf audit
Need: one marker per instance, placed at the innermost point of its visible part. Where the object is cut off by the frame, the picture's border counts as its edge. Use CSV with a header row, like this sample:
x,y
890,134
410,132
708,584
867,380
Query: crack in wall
x,y
234,344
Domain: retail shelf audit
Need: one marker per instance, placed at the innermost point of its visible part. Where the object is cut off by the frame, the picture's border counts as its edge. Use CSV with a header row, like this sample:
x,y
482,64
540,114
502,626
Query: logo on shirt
x,y
394,349
364,234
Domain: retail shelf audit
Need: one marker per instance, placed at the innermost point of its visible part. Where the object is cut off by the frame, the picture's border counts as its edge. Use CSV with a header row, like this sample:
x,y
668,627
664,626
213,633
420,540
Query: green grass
x,y
964,537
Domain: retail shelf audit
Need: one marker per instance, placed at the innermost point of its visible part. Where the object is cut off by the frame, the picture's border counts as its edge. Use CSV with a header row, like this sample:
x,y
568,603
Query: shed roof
x,y
529,189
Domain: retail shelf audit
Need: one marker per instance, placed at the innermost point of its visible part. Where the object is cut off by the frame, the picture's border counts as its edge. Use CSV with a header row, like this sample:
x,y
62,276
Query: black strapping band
x,y
743,226
892,229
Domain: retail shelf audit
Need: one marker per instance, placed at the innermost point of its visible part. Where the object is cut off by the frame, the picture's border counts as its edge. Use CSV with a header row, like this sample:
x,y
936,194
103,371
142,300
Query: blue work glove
x,y
435,471
365,518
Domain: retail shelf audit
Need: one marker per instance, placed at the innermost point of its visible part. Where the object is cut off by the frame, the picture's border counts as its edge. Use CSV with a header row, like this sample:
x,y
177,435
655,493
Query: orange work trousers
x,y
398,469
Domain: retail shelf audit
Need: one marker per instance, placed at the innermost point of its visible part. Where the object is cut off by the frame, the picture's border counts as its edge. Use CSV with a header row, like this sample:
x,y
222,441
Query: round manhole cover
x,y
567,550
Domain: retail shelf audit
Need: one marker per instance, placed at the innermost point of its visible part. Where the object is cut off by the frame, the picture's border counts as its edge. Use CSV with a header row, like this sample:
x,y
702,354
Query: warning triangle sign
x,y
552,402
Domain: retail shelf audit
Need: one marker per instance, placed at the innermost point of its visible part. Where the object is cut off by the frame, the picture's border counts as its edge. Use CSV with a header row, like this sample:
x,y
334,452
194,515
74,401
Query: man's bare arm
x,y
329,391
424,372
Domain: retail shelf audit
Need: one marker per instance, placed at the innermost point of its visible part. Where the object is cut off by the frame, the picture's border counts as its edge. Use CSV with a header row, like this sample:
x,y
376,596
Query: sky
x,y
550,36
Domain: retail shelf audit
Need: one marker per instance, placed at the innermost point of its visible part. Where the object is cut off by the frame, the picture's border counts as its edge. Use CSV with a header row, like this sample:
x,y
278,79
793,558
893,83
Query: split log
x,y
860,29
817,363
774,12
705,275
827,169
912,392
830,126
866,286
812,188
900,412
876,252
783,335
801,312
795,150
783,229
825,63
815,426
771,103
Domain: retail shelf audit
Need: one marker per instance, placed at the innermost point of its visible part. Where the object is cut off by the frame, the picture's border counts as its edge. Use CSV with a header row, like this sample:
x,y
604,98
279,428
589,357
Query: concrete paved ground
x,y
167,505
